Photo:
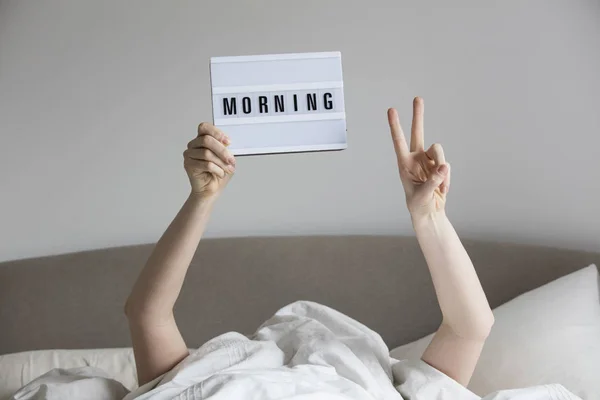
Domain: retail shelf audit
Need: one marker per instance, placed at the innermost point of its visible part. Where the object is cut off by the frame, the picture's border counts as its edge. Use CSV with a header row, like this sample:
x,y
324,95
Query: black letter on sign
x,y
279,103
327,101
311,101
262,102
229,108
295,102
246,105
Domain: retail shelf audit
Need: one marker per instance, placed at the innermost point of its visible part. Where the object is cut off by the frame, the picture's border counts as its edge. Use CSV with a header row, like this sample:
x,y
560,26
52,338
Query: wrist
x,y
202,198
420,221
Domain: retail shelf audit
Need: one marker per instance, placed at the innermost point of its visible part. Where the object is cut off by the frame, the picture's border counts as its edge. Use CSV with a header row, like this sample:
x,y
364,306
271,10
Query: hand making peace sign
x,y
425,175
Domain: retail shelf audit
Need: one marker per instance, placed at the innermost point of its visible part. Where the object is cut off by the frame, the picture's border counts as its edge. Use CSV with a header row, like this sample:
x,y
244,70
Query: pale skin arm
x,y
467,317
157,343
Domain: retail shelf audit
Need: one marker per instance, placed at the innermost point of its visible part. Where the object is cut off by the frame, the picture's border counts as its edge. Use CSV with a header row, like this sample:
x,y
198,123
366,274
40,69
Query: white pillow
x,y
17,370
548,335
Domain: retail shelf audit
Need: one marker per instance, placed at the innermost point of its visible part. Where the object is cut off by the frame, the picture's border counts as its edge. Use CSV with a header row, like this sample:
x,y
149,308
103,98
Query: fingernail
x,y
226,141
443,169
231,169
231,160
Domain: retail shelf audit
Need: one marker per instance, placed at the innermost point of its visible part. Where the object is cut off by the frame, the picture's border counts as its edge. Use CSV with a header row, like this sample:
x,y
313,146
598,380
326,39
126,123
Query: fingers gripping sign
x,y
207,161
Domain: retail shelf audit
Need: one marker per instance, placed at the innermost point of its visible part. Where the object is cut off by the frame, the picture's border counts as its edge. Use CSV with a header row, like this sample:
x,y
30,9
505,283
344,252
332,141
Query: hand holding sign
x,y
425,175
280,103
207,161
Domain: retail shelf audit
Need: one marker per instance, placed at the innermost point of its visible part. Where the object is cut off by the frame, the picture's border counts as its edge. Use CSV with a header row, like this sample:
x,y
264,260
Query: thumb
x,y
436,179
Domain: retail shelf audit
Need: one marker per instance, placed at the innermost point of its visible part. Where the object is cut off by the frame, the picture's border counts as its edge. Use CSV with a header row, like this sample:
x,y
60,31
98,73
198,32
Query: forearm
x,y
157,288
463,303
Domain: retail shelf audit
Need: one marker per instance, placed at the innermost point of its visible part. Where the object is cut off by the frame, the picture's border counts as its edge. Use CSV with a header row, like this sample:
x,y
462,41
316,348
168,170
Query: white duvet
x,y
305,351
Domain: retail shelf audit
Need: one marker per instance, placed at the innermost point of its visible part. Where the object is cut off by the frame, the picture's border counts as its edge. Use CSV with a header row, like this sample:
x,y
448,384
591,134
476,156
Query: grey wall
x,y
98,100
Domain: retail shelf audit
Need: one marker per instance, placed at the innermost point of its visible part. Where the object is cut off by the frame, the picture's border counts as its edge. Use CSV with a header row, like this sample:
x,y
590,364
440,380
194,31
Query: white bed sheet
x,y
305,351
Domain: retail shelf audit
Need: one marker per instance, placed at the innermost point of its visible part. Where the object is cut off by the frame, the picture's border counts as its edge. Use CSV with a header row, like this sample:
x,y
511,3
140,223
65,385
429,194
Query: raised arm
x,y
157,343
467,317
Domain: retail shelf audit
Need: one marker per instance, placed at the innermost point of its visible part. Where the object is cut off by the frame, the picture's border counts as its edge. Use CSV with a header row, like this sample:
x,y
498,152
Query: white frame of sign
x,y
280,103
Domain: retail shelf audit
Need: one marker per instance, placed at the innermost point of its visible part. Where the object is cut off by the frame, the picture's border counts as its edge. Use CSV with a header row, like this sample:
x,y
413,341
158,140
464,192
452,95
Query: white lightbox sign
x,y
280,103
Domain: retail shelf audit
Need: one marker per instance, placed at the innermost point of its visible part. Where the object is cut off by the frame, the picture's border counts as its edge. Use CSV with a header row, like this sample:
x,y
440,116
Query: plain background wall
x,y
99,98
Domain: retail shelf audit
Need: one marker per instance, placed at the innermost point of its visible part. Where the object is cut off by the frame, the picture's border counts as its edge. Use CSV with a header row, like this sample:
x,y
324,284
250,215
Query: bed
x,y
74,302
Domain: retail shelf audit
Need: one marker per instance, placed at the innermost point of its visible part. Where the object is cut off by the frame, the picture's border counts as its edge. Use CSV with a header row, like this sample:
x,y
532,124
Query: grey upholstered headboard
x,y
76,300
